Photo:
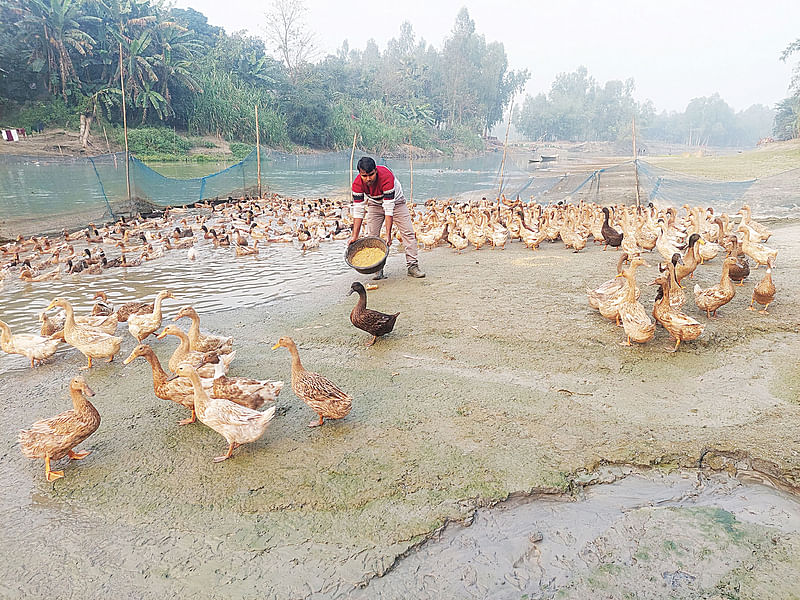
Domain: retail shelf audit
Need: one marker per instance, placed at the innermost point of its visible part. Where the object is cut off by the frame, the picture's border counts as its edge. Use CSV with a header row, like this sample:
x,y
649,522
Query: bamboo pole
x,y
411,165
258,153
505,148
125,128
352,154
636,165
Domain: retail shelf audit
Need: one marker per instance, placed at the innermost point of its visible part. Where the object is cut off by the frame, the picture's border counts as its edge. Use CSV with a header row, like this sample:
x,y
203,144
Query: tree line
x,y
182,72
577,107
61,61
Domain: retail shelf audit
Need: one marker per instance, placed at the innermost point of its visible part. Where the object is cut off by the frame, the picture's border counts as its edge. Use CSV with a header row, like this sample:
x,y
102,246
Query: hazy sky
x,y
675,50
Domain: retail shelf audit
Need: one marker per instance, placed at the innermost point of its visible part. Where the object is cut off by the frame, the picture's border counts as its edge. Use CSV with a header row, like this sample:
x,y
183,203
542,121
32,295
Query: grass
x,y
763,162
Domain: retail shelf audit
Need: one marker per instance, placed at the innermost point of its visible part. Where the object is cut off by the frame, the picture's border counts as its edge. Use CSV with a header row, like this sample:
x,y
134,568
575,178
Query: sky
x,y
674,50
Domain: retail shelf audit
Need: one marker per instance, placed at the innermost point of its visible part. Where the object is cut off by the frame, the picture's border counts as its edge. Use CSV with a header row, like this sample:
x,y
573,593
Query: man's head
x,y
367,170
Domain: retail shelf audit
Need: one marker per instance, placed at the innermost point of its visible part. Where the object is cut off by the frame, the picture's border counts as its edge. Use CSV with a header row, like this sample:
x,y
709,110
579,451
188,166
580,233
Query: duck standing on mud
x,y
371,321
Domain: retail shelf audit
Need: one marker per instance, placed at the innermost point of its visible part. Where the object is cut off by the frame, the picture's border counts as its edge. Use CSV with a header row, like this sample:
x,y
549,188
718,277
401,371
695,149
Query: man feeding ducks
x,y
377,192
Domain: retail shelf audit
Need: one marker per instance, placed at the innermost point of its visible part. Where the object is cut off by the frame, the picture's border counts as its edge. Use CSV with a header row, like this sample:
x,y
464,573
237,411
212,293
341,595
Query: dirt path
x,y
498,380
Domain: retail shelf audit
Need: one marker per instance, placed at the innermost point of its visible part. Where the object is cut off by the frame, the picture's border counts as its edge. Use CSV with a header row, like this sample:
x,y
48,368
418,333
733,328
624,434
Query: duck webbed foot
x,y
78,455
316,422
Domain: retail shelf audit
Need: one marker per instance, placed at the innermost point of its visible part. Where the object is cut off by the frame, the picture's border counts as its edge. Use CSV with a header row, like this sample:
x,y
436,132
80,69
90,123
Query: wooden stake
x,y
352,154
411,164
505,148
636,165
258,153
125,128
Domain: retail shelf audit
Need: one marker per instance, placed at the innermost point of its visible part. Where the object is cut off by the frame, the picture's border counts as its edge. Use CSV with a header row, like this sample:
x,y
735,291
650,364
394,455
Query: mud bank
x,y
499,380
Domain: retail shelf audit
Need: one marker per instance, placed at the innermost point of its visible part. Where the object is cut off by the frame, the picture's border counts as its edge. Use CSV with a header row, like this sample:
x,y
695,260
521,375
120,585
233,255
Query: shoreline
x,y
498,380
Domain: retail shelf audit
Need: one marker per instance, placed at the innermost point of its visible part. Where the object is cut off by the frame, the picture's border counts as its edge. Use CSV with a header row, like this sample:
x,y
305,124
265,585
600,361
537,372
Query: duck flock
x,y
235,406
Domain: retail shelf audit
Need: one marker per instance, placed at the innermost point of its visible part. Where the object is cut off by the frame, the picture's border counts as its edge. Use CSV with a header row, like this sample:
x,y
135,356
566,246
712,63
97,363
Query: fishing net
x,y
46,194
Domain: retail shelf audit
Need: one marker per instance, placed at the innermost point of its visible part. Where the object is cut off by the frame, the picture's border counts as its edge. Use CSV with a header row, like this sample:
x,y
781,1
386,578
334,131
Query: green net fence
x,y
46,194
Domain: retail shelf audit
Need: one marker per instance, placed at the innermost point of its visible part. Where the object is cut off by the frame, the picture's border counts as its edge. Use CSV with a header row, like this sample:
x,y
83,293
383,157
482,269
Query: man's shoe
x,y
413,271
379,275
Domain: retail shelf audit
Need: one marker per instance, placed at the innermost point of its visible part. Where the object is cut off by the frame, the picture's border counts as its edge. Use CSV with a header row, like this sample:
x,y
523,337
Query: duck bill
x,y
276,346
161,335
51,305
129,359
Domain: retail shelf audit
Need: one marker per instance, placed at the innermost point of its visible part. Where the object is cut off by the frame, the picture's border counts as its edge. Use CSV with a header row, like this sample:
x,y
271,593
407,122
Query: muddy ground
x,y
499,381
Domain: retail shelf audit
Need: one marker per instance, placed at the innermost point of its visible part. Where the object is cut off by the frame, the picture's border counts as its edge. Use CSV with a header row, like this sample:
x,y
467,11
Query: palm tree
x,y
54,30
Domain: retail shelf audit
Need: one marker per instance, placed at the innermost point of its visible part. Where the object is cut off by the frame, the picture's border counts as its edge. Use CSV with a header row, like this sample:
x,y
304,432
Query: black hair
x,y
366,164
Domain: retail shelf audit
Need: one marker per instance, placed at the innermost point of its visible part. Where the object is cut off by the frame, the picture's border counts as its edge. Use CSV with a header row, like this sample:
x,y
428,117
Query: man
x,y
377,192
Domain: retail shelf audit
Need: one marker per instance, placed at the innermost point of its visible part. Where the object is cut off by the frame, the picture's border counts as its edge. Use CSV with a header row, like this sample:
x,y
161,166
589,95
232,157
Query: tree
x,y
288,33
787,119
52,30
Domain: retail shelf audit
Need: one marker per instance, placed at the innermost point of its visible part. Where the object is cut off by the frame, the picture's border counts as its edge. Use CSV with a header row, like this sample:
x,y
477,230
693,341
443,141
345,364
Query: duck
x,y
609,307
202,361
764,292
201,342
252,393
758,252
237,424
106,324
680,326
28,275
741,270
712,298
677,297
175,389
747,220
320,393
129,308
36,348
690,259
611,237
373,322
55,438
91,342
245,250
637,325
610,287
142,325
52,326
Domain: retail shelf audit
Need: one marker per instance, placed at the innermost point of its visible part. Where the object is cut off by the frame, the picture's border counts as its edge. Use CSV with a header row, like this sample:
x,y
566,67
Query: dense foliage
x,y
578,108
63,56
787,121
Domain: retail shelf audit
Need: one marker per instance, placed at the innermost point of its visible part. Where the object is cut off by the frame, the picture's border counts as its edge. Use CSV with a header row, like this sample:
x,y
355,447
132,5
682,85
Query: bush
x,y
148,141
52,113
240,150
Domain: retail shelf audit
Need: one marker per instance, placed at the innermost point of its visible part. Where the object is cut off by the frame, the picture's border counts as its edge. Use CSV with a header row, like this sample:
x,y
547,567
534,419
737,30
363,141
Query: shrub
x,y
148,141
240,150
51,113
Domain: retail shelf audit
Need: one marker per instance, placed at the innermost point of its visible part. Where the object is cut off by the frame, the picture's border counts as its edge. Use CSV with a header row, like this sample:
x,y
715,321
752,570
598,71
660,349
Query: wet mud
x,y
498,382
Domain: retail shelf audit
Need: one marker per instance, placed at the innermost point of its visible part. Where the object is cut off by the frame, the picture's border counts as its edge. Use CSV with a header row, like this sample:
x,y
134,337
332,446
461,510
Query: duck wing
x,y
372,321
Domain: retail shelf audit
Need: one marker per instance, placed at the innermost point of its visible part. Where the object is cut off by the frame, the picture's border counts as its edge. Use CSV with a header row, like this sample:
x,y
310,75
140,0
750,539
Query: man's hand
x,y
352,239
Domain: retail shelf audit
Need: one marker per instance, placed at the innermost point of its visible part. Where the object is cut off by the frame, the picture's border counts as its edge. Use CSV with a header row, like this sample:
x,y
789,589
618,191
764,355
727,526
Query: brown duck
x,y
129,308
320,393
710,299
611,236
764,292
371,321
53,439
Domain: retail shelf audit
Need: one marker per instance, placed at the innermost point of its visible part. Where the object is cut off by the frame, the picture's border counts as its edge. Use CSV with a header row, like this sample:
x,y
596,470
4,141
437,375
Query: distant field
x,y
770,160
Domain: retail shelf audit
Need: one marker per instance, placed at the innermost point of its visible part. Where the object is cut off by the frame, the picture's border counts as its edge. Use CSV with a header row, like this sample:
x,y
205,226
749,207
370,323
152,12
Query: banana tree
x,y
54,31
147,98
